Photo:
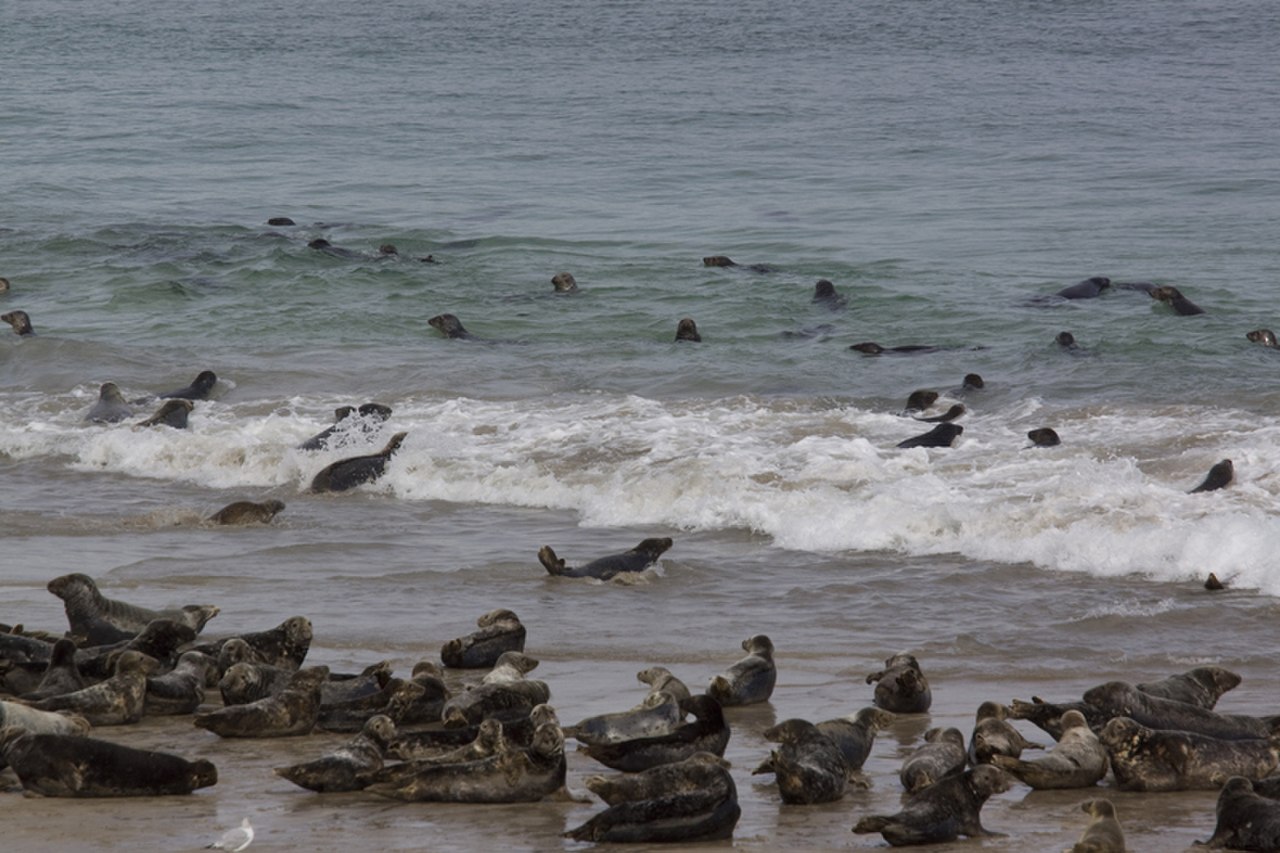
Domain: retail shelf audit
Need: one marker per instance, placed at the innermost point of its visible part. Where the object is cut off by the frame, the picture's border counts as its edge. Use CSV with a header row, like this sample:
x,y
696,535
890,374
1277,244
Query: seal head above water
x,y
111,406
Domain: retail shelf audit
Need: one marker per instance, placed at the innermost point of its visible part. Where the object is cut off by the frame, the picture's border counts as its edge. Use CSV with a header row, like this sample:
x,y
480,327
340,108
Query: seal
x,y
1103,834
941,755
660,679
1173,297
490,739
824,293
83,603
946,417
918,401
115,702
1146,759
1044,437
4,285
1219,477
940,436
61,676
808,766
450,326
1067,341
499,631
160,640
1078,760
349,422
1265,337
940,812
351,766
901,686
431,744
55,765
325,247
687,330
873,348
1212,583
658,714
20,322
198,389
290,713
1202,686
686,802
707,732
246,681
111,406
854,734
993,735
972,382
1087,289
280,221
181,690
1048,715
1120,699
637,559
1247,820
750,680
564,282
503,689
248,512
349,473
285,645
173,413
718,261
40,722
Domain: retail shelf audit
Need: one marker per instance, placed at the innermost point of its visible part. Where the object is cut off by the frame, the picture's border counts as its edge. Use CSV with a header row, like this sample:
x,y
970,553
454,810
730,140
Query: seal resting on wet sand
x,y
1120,699
111,406
504,689
351,766
1202,686
1078,760
901,686
943,435
181,690
941,755
61,675
1103,834
707,732
289,713
658,714
1219,477
751,679
807,765
499,631
78,766
1087,289
20,322
84,603
1247,820
940,812
637,559
349,473
248,512
1146,759
994,735
119,700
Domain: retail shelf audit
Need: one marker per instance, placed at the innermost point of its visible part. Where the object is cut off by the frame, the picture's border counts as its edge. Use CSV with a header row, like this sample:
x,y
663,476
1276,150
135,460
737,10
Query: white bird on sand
x,y
235,839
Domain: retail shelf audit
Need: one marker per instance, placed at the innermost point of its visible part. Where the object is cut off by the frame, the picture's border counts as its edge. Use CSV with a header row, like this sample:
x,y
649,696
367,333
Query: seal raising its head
x,y
751,679
449,326
349,473
198,389
248,512
1103,834
1219,477
1266,337
111,406
20,321
637,559
1173,297
687,330
564,282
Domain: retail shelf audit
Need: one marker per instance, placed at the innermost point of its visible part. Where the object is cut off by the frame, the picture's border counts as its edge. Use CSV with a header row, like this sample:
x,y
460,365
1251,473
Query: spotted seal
x,y
1247,820
807,765
1087,289
291,712
111,406
637,559
658,714
20,321
83,602
707,732
943,435
1078,760
940,812
351,766
853,735
901,686
172,413
993,735
1044,437
349,421
450,326
687,330
161,640
564,282
941,755
1146,759
1265,337
1103,834
1173,297
119,700
751,679
4,285
1219,477
54,765
499,631
489,739
199,388
349,473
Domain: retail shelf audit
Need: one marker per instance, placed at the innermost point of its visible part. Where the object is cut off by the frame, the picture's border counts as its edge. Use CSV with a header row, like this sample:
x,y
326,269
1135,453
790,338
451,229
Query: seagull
x,y
235,839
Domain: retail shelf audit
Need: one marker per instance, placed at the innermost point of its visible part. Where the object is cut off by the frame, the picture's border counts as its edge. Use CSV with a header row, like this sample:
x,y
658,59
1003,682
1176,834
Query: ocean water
x,y
949,167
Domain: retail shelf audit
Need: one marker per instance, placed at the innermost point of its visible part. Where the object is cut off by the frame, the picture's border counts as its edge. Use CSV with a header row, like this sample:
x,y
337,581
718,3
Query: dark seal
x,y
1044,437
1247,820
873,348
1219,477
1265,337
919,400
940,436
76,766
564,282
499,631
280,221
940,812
173,413
1146,759
807,765
824,293
994,735
637,559
248,512
1087,289
289,713
198,389
687,330
347,419
85,604
1173,297
349,473
941,755
901,686
20,322
449,326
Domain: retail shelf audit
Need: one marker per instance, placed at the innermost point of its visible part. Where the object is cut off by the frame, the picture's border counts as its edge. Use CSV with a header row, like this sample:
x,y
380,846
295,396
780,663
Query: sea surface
x,y
948,166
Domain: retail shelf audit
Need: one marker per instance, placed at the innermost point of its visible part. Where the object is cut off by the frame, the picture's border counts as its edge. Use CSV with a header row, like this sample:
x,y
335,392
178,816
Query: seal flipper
x,y
553,564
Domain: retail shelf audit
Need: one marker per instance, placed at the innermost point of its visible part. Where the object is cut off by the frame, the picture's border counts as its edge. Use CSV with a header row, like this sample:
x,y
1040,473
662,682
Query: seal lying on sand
x,y
20,322
940,812
1048,715
351,766
660,680
349,473
41,722
363,420
1247,820
1078,760
901,686
751,679
1219,477
285,645
77,766
807,765
993,735
61,676
181,690
1146,759
84,603
111,406
1103,834
198,389
637,559
941,755
1120,699
290,713
117,701
500,631
504,689
172,413
708,732
1202,686
658,714
1173,297
248,512
449,326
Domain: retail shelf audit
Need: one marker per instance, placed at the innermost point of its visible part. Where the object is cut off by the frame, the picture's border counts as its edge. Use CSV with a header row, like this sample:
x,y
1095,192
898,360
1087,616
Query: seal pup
x,y
1087,289
503,689
499,631
181,690
349,473
637,559
687,330
111,406
1103,834
450,326
940,756
1219,477
83,601
1265,337
993,735
940,812
348,419
1173,297
1247,820
750,680
198,389
901,686
291,712
1146,759
685,802
118,701
1078,760
1202,686
1044,437
660,679
808,766
349,767
78,766
173,413
234,840
658,714
707,732
564,282
824,293
20,322
940,436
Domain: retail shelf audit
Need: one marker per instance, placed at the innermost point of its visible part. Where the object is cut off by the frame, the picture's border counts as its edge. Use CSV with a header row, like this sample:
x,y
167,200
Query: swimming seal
x,y
941,755
807,765
77,766
564,282
1146,759
248,512
751,679
918,401
946,417
198,389
1103,834
940,812
1087,289
4,285
84,603
993,735
1173,297
1219,477
658,714
111,406
718,261
172,414
972,382
707,732
20,322
1265,337
1202,686
637,559
349,473
940,436
117,701
289,713
351,766
280,221
1246,819
685,802
449,326
1212,583
687,330
873,348
901,686
347,420
1078,760
1067,341
500,631
824,292
1044,437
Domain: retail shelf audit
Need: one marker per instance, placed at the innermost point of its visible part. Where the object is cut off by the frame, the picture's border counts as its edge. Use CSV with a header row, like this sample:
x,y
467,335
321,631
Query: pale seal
x,y
564,282
707,732
1173,297
1078,760
83,602
349,473
20,322
993,735
248,512
111,406
289,713
940,812
658,714
1247,820
687,330
172,413
807,765
499,631
1219,477
1146,759
351,766
41,722
76,766
198,389
751,679
660,679
901,686
637,559
1103,834
943,435
940,756
449,326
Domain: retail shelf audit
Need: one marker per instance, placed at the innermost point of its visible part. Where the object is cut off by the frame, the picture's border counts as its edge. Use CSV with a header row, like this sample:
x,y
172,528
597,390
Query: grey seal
x,y
499,631
1173,297
1219,477
172,413
707,732
504,689
807,765
20,321
1087,289
349,420
901,686
825,293
84,603
1247,820
111,406
41,722
658,714
280,221
1265,337
1103,834
1044,437
564,282
687,330
1048,715
993,735
449,326
1212,583
751,679
943,435
660,679
1078,760
921,399
119,700
637,559
940,812
248,512
289,713
1067,341
1202,686
940,756
1146,759
61,675
1120,699
725,261
349,473
180,690
198,389
285,645
351,766
56,765
949,415
873,348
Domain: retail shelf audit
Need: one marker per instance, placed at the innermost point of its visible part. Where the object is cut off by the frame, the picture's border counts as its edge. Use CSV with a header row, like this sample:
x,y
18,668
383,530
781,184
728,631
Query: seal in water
x,y
1103,834
1247,820
1265,337
111,406
658,714
1219,477
1067,341
708,732
918,401
941,755
564,282
687,330
4,285
1044,437
808,766
83,603
1078,760
364,419
994,735
873,348
248,512
751,679
940,436
500,631
289,713
1087,289
901,686
1212,583
173,414
946,417
940,812
1173,297
1146,759
198,389
117,701
718,261
1202,686
824,293
351,766
76,766
686,802
280,221
349,473
449,326
637,559
20,322
972,382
